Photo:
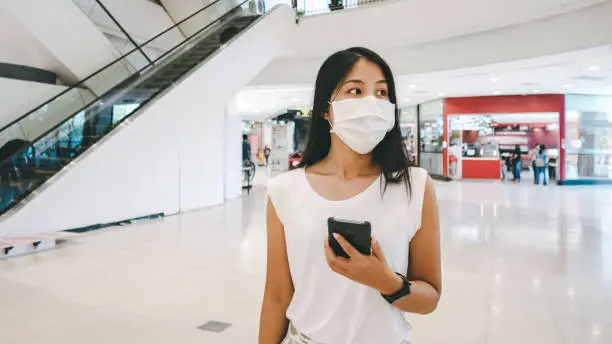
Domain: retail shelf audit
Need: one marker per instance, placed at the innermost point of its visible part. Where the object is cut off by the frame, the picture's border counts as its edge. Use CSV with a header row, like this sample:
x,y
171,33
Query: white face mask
x,y
363,122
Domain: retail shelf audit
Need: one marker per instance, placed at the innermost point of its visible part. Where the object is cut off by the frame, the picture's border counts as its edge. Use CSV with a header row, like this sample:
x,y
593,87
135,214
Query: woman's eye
x,y
381,93
354,91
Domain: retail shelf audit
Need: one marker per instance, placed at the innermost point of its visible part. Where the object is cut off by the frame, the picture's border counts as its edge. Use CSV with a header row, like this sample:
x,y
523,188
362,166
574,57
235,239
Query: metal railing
x,y
311,7
82,94
26,144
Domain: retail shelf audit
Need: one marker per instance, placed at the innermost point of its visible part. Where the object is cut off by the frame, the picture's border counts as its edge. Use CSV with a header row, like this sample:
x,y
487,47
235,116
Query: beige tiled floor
x,y
522,264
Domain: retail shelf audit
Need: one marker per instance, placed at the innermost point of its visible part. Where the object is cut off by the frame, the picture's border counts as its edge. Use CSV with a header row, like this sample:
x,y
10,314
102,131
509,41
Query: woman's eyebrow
x,y
356,81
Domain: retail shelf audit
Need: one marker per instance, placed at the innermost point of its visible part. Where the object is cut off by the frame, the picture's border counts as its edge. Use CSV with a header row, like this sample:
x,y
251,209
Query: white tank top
x,y
327,307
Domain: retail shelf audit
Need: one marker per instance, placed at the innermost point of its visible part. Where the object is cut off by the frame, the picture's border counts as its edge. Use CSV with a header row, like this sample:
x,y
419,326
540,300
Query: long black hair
x,y
542,148
390,154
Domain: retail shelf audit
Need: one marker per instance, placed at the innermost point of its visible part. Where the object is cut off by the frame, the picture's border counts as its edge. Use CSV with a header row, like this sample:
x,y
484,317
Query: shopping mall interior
x,y
139,138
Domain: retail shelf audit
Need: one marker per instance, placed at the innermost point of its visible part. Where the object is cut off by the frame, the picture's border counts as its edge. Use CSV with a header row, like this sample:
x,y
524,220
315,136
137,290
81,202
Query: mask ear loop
x,y
331,126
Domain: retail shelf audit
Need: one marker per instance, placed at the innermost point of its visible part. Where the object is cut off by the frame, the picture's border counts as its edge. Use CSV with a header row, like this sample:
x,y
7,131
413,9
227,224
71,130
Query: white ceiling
x,y
18,46
393,24
563,73
403,33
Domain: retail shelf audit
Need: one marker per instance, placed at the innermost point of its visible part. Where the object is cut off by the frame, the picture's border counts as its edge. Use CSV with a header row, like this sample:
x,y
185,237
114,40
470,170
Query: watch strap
x,y
404,291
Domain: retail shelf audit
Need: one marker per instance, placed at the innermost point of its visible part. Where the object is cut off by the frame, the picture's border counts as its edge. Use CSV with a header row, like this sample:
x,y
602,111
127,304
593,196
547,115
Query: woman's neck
x,y
346,163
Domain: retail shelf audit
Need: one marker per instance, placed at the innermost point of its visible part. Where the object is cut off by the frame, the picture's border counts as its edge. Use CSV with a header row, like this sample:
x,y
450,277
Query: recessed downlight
x,y
441,94
496,92
568,86
494,78
412,86
594,68
535,91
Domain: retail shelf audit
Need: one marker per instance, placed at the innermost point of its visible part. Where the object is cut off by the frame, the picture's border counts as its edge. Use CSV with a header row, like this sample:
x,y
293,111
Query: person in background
x,y
541,164
246,148
517,163
267,152
532,155
503,162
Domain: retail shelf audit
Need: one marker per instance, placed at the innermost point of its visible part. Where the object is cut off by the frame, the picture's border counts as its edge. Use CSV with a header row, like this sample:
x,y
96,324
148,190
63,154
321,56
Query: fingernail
x,y
336,236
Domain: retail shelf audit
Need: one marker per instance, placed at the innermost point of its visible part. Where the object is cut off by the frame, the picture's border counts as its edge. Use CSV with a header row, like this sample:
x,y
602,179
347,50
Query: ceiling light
x,y
412,86
567,86
594,68
536,91
494,78
497,92
407,99
441,94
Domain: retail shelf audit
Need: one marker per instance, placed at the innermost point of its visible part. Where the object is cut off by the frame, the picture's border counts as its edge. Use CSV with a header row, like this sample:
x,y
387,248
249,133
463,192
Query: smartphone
x,y
358,234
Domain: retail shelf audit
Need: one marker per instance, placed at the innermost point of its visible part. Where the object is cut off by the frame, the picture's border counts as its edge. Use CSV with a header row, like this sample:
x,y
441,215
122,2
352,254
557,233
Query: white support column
x,y
233,153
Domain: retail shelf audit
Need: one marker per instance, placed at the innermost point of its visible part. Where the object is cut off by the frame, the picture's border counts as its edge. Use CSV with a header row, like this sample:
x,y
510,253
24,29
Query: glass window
x,y
431,122
408,127
588,137
431,129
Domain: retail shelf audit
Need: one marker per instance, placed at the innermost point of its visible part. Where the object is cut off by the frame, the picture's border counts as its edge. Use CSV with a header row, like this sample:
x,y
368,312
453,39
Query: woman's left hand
x,y
371,270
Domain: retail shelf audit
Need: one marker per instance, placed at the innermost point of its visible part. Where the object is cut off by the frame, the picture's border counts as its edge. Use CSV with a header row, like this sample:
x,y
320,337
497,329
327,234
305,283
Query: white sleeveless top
x,y
328,307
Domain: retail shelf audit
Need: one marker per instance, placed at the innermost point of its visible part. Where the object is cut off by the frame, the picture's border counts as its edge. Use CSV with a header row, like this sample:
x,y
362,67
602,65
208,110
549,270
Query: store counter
x,y
481,168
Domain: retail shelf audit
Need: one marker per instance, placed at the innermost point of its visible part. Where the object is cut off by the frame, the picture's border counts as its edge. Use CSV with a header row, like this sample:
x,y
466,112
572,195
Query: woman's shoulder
x,y
418,174
280,190
418,179
285,179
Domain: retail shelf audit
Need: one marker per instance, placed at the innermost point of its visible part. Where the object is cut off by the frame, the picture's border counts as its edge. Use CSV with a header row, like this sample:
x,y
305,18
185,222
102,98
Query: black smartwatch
x,y
404,291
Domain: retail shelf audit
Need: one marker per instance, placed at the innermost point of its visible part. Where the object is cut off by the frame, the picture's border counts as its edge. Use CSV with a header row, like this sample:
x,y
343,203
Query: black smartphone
x,y
358,234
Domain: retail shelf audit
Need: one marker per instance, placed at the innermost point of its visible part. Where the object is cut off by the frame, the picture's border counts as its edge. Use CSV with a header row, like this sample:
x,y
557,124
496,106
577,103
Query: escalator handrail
x,y
80,83
55,127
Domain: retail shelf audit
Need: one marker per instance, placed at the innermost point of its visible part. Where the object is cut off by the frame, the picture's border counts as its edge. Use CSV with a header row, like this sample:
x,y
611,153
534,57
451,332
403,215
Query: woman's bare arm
x,y
425,271
279,286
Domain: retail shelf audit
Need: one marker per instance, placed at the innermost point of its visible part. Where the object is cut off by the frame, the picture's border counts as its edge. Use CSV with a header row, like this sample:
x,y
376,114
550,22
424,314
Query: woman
x,y
541,164
354,168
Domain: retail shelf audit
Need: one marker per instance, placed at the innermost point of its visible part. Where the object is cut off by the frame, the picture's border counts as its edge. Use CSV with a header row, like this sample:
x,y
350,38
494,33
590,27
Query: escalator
x,y
44,141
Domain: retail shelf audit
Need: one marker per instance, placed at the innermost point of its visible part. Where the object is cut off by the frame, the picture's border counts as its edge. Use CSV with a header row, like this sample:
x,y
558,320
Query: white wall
x,y
432,47
167,159
233,156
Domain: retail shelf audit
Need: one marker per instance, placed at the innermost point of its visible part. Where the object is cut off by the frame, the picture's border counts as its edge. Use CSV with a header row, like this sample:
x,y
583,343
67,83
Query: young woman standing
x,y
355,167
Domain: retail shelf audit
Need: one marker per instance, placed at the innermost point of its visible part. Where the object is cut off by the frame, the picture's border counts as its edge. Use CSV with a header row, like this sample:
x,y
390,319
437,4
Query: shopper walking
x,y
355,168
532,155
517,163
267,151
246,149
541,164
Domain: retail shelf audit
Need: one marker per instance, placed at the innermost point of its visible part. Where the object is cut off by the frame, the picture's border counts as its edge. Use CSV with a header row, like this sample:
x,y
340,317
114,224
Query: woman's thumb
x,y
377,250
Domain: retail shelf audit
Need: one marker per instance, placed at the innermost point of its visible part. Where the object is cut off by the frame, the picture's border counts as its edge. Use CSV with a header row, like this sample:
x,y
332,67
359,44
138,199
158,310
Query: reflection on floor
x,y
522,264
